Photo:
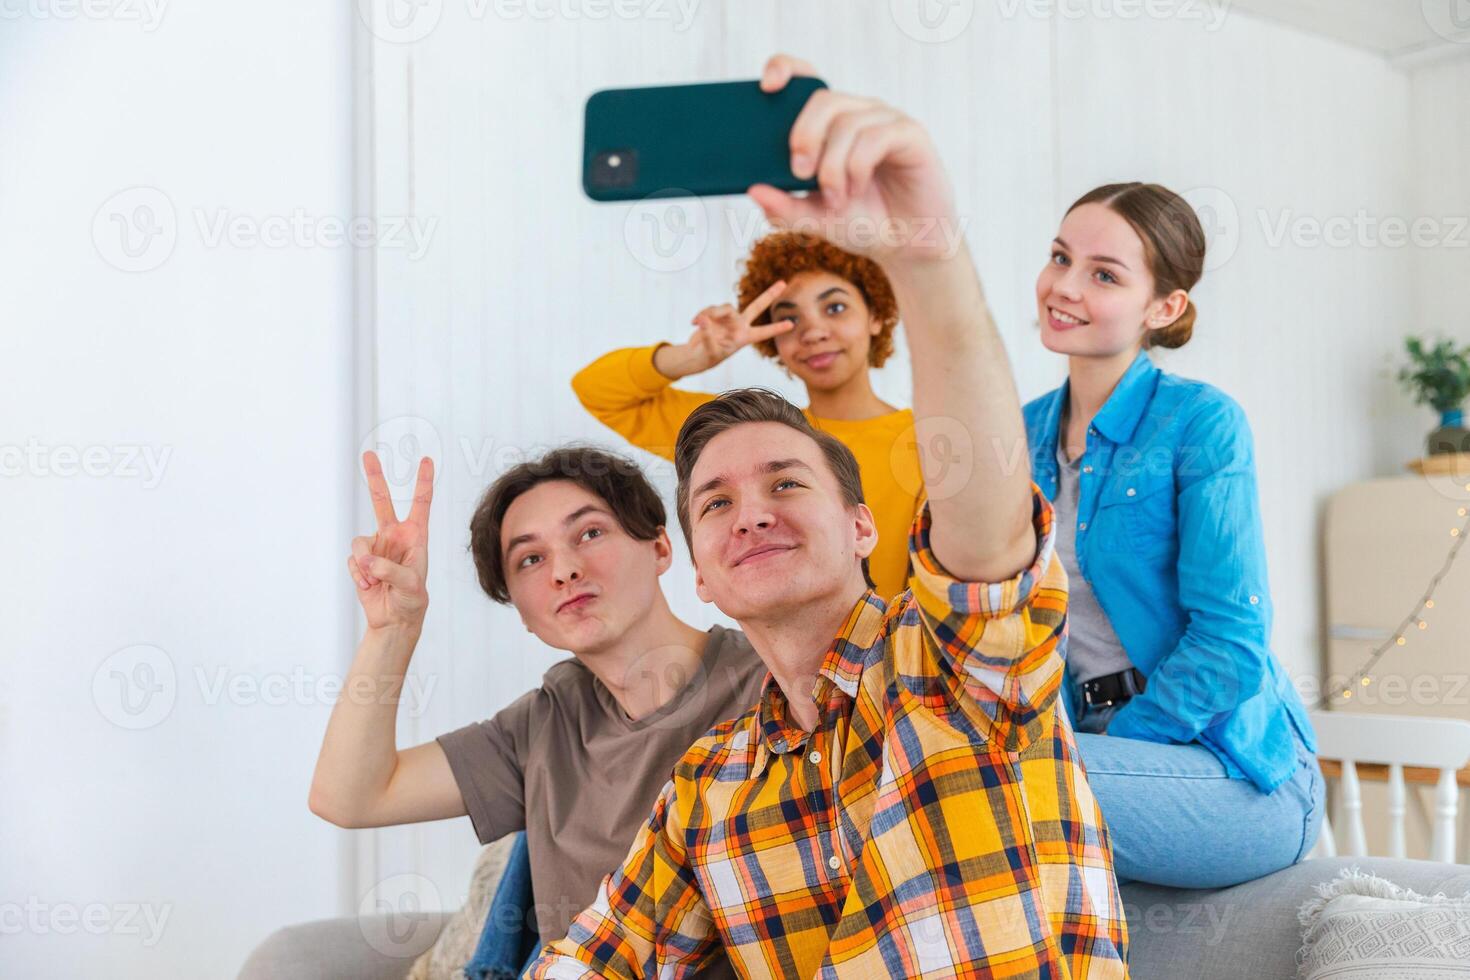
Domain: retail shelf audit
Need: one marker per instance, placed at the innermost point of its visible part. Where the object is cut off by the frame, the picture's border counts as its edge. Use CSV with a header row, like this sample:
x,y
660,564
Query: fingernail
x,y
801,165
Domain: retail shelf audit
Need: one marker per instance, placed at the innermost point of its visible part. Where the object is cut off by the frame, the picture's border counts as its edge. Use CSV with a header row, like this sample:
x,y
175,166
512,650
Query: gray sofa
x,y
1249,931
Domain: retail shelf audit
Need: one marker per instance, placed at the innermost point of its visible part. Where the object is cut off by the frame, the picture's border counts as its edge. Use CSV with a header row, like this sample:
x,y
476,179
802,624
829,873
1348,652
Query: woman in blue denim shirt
x,y
1195,741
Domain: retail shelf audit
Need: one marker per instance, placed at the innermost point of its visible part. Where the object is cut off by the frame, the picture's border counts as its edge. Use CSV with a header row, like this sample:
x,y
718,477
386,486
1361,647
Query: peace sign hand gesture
x,y
720,331
391,567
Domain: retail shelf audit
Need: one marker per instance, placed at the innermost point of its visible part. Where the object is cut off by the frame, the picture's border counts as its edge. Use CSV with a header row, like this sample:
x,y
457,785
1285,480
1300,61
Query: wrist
x,y
674,361
395,634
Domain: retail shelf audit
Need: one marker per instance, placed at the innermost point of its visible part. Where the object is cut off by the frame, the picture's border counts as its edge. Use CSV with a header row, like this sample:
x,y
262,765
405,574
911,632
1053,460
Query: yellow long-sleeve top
x,y
625,392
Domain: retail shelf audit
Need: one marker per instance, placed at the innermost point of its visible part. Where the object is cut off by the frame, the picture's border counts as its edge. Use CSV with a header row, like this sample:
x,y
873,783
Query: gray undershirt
x,y
1093,649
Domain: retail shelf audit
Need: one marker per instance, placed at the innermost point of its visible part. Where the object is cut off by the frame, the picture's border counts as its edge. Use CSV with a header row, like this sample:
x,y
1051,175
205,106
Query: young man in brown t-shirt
x,y
576,542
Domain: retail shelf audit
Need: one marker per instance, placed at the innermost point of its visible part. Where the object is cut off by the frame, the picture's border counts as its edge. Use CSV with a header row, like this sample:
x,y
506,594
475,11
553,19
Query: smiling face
x,y
1096,296
769,528
834,329
578,580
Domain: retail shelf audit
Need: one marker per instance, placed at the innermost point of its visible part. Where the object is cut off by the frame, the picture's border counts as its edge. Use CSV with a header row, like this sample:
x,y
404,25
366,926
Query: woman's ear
x,y
1162,312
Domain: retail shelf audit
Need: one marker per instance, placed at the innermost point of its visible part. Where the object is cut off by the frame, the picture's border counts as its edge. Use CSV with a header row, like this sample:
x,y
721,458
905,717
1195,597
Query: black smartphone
x,y
691,140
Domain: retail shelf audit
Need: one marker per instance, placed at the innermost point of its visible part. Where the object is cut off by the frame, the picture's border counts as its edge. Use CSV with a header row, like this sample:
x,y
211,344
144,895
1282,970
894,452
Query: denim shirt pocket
x,y
1144,508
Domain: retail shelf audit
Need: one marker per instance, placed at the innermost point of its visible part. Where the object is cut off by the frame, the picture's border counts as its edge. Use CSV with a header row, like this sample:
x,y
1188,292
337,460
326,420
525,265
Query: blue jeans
x,y
1175,818
509,942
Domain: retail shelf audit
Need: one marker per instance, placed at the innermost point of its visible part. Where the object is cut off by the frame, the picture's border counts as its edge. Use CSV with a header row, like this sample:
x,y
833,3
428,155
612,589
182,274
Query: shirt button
x,y
1132,492
1087,469
833,863
1082,526
1255,600
815,757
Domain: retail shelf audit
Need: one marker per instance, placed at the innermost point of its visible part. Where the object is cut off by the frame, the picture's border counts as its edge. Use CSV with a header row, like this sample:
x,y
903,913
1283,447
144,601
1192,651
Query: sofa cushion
x,y
341,949
1250,930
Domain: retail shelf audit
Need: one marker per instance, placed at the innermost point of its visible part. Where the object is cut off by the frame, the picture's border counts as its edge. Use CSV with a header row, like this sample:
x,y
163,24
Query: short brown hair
x,y
615,480
783,254
744,405
1173,245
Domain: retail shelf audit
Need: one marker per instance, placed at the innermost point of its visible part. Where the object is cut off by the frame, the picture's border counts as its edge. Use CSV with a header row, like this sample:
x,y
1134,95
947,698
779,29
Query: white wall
x,y
169,849
479,128
1440,151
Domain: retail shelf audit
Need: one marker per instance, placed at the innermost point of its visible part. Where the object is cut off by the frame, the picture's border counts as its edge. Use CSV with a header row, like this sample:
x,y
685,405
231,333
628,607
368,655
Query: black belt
x,y
1113,688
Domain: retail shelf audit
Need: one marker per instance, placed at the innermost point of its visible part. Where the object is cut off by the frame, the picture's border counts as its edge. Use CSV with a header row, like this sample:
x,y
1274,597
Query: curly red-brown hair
x,y
784,254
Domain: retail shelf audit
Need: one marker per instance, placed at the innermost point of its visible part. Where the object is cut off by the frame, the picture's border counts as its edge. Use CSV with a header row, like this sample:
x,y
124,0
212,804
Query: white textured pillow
x,y
1365,928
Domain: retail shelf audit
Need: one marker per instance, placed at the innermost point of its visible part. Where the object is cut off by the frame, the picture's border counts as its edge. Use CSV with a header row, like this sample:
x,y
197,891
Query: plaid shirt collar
x,y
773,730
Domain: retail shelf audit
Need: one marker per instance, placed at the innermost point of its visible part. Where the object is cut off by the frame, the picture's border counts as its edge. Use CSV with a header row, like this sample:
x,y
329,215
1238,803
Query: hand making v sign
x,y
391,567
720,331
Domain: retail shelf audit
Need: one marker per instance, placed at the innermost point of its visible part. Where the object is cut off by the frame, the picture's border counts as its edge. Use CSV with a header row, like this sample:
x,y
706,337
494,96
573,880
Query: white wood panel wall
x,y
477,125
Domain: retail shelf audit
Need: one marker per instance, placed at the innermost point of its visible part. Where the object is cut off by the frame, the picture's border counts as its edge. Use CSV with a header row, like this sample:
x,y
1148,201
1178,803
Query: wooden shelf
x,y
1445,464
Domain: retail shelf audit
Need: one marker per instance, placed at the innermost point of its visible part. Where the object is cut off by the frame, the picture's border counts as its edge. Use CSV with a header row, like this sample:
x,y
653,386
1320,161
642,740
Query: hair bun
x,y
1176,334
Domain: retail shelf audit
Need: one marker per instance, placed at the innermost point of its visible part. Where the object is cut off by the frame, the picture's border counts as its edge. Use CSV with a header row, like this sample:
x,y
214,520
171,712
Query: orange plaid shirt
x,y
936,823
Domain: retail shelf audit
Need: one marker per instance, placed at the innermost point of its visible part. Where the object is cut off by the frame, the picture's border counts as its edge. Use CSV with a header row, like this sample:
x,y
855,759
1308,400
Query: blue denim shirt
x,y
1169,537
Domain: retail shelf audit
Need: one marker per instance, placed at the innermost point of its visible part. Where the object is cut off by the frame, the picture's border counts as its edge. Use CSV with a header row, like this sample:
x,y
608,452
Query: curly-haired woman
x,y
827,317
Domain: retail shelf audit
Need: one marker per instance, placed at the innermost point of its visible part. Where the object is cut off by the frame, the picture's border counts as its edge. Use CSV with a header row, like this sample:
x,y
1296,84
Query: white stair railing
x,y
1397,742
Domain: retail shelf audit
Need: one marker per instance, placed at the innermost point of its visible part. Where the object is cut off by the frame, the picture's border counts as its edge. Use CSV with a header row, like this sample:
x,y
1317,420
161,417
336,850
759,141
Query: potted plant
x,y
1439,376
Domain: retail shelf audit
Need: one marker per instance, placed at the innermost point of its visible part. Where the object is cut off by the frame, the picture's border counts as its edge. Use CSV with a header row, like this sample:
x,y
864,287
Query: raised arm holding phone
x,y
905,797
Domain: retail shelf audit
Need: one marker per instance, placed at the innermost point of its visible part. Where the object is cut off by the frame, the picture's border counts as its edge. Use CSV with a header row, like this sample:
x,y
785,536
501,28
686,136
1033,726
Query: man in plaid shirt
x,y
905,800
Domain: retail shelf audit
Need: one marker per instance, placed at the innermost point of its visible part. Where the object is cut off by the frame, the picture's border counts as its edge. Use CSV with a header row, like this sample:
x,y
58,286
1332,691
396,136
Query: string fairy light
x,y
1399,637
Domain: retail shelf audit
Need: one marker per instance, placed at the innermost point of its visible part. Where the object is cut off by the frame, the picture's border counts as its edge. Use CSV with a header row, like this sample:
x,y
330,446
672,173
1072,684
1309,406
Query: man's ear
x,y
867,530
700,589
663,551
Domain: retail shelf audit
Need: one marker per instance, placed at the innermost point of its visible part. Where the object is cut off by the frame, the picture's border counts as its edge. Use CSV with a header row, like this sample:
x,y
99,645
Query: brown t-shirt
x,y
567,765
